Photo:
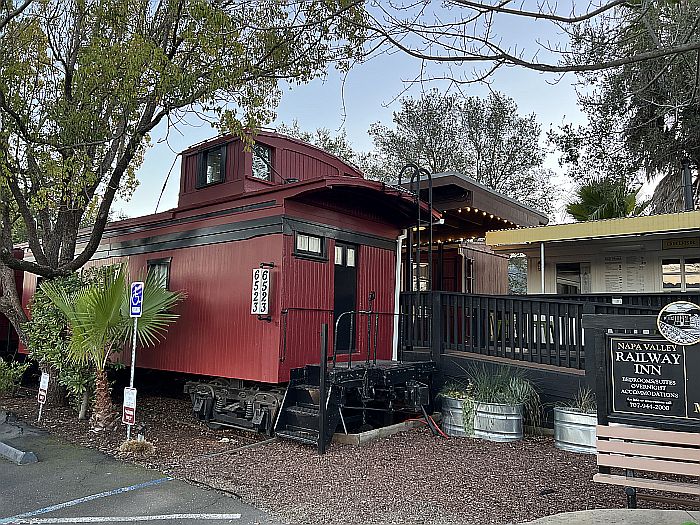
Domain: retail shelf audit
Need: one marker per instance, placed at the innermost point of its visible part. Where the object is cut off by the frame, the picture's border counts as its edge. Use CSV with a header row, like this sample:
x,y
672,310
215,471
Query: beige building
x,y
656,253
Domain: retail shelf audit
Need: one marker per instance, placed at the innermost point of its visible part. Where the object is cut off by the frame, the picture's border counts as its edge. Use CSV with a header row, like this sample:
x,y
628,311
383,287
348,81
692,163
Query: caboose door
x,y
345,296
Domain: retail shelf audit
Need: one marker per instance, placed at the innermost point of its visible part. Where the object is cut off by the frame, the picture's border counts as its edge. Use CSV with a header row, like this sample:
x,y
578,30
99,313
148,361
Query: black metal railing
x,y
655,300
542,330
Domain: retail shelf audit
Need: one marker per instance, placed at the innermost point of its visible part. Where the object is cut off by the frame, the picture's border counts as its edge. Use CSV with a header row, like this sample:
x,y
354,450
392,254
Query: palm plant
x,y
606,198
98,317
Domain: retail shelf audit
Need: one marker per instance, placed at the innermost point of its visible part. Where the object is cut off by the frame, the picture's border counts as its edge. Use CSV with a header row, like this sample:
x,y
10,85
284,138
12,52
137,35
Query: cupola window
x,y
212,166
262,162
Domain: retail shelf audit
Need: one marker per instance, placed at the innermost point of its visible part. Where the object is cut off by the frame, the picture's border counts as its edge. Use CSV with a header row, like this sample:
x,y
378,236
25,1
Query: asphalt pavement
x,y
71,484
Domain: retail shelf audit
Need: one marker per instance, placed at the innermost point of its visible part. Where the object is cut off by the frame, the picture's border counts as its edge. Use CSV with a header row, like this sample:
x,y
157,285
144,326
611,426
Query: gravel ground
x,y
409,478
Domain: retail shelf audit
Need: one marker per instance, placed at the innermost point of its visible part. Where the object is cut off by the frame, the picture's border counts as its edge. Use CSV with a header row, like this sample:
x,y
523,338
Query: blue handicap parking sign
x,y
136,299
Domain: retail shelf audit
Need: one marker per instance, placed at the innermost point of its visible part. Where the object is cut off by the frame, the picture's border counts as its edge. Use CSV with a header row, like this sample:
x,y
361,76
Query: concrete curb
x,y
17,456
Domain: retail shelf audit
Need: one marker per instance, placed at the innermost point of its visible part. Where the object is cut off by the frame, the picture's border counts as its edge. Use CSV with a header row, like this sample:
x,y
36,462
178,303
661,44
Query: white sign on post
x,y
43,388
260,298
129,406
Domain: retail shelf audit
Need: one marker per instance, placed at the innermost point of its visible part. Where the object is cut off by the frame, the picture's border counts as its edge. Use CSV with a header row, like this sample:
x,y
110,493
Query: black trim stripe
x,y
236,231
198,237
331,232
172,222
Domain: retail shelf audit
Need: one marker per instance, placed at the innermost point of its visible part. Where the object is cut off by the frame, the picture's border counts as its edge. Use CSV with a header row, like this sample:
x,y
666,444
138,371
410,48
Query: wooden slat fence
x,y
520,328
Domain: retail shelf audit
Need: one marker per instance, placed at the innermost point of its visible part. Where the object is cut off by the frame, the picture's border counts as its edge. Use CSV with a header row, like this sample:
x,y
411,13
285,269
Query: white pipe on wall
x,y
397,295
542,267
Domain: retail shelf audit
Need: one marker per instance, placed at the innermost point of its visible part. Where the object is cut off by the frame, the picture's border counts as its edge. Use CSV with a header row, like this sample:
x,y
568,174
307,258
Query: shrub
x,y
137,448
48,335
11,375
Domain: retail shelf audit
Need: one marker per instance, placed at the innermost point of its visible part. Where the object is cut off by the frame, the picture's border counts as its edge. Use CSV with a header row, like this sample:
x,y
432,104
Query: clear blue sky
x,y
367,96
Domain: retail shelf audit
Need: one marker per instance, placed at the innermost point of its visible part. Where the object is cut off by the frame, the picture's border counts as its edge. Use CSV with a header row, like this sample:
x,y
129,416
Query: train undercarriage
x,y
359,396
235,403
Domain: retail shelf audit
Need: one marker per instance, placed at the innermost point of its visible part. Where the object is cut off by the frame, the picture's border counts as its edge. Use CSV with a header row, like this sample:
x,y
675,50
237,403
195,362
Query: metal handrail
x,y
283,314
371,348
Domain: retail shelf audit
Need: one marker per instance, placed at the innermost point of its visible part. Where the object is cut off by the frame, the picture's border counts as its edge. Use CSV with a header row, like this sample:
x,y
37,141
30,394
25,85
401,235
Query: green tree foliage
x,y
482,138
517,275
98,316
605,198
84,82
643,117
11,375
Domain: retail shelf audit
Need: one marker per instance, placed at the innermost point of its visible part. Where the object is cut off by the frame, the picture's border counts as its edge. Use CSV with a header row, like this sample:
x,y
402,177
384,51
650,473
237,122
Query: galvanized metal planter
x,y
453,417
497,422
574,430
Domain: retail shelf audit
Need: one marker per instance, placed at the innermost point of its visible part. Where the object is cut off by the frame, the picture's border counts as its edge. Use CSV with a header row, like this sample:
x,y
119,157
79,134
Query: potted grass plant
x,y
453,398
575,423
493,404
503,397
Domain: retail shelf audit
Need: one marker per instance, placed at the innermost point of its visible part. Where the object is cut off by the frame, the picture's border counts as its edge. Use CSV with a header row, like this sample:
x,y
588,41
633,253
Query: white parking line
x,y
52,508
113,519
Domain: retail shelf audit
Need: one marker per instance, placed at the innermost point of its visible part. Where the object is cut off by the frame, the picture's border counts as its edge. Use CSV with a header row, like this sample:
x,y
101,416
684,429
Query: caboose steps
x,y
302,436
363,394
299,416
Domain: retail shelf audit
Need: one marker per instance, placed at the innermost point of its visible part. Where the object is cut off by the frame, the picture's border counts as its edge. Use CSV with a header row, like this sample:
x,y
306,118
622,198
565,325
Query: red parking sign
x,y
129,407
43,388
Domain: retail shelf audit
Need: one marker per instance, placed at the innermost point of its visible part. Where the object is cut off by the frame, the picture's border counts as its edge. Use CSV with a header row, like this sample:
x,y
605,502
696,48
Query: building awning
x,y
675,223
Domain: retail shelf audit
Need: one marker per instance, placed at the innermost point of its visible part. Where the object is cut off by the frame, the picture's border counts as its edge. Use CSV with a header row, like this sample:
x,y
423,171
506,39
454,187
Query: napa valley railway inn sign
x,y
655,377
659,376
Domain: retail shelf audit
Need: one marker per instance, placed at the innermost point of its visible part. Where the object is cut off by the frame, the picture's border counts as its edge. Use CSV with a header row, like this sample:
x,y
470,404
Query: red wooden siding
x,y
216,334
232,185
307,291
303,166
290,159
343,221
376,272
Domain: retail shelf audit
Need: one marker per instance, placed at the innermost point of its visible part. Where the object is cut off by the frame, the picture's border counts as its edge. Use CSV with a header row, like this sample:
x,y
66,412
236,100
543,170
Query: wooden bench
x,y
650,451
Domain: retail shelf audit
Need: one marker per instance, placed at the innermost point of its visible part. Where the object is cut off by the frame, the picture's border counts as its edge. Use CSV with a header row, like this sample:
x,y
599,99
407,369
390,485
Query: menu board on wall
x,y
613,274
635,273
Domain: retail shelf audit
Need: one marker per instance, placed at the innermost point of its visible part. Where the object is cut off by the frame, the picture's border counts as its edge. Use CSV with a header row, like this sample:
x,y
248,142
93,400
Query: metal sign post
x,y
135,309
43,392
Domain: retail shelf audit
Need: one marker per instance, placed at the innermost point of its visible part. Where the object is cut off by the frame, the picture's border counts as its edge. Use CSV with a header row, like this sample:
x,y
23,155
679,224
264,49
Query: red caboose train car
x,y
326,238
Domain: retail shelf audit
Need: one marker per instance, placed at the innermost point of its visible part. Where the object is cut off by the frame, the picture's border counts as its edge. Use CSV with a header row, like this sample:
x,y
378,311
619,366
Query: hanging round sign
x,y
679,323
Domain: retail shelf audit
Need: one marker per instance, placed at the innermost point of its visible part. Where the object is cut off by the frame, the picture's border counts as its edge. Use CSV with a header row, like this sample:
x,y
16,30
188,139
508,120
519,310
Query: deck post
x,y
322,390
436,324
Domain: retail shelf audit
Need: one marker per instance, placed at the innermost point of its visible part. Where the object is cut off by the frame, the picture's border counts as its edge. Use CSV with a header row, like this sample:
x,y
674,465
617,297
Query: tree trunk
x,y
84,405
103,415
10,304
56,395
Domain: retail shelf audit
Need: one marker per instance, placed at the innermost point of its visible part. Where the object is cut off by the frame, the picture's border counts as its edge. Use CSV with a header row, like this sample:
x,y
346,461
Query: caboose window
x,y
161,269
212,166
262,162
309,245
